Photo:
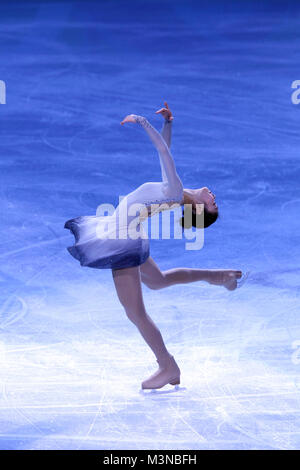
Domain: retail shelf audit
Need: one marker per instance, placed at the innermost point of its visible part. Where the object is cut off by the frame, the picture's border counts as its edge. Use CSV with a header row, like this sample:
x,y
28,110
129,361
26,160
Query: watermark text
x,y
296,94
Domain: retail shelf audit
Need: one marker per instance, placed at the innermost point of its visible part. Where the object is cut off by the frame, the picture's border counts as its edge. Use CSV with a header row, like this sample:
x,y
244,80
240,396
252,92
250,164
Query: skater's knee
x,y
131,315
157,283
153,285
134,315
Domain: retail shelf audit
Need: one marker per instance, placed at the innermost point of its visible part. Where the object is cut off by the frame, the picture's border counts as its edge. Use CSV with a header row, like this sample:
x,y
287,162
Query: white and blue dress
x,y
118,241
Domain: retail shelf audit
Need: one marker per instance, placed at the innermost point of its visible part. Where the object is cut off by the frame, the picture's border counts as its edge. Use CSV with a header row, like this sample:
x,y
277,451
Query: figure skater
x,y
129,257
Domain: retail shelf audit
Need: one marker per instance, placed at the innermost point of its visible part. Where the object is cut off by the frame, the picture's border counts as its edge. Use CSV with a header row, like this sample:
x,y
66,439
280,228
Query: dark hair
x,y
209,218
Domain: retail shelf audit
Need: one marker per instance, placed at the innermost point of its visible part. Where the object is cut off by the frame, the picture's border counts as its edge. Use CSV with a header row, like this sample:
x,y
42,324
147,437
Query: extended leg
x,y
154,278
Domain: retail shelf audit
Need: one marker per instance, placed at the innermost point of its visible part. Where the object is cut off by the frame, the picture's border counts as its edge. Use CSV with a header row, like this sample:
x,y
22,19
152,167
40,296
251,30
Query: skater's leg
x,y
129,290
128,285
154,278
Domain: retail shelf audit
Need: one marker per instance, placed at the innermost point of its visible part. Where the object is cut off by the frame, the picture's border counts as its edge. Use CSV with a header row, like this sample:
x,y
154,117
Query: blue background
x,y
71,363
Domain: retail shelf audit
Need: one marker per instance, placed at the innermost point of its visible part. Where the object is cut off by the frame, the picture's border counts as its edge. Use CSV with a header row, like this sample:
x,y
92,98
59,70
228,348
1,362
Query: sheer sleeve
x,y
166,132
170,189
169,173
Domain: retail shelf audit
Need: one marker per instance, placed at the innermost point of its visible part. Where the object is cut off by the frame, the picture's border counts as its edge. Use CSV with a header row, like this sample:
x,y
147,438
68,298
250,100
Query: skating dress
x,y
118,240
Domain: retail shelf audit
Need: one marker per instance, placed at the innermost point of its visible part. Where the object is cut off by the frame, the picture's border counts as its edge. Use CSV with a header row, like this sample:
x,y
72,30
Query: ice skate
x,y
243,279
167,373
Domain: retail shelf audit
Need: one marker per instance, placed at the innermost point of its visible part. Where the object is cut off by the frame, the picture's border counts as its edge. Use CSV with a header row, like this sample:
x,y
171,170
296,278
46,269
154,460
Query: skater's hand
x,y
165,112
129,118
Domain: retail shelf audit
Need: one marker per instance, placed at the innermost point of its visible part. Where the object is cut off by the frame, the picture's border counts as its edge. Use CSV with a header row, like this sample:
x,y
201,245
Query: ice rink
x,y
71,363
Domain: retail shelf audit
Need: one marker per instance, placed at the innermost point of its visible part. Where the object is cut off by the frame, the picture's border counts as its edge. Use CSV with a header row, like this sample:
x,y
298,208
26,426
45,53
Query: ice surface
x,y
70,362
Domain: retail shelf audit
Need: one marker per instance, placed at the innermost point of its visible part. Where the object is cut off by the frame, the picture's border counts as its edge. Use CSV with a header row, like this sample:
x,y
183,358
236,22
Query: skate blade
x,y
175,382
241,282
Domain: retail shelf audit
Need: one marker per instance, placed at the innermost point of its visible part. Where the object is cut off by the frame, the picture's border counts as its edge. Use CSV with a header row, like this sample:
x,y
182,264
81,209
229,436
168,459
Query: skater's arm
x,y
167,132
167,126
168,169
169,174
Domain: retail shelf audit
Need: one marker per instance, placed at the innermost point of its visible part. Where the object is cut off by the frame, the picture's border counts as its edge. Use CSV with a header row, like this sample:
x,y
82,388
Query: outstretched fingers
x,y
165,112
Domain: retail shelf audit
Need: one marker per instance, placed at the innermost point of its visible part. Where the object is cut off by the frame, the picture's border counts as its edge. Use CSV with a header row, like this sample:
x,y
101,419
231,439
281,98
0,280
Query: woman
x,y
128,256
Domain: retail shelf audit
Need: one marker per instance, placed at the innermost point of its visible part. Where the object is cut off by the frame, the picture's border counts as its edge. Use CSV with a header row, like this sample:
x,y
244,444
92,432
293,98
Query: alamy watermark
x,y
296,94
2,92
137,221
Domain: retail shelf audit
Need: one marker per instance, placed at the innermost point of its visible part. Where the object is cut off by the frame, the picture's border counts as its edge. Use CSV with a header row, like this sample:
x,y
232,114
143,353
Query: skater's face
x,y
206,197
